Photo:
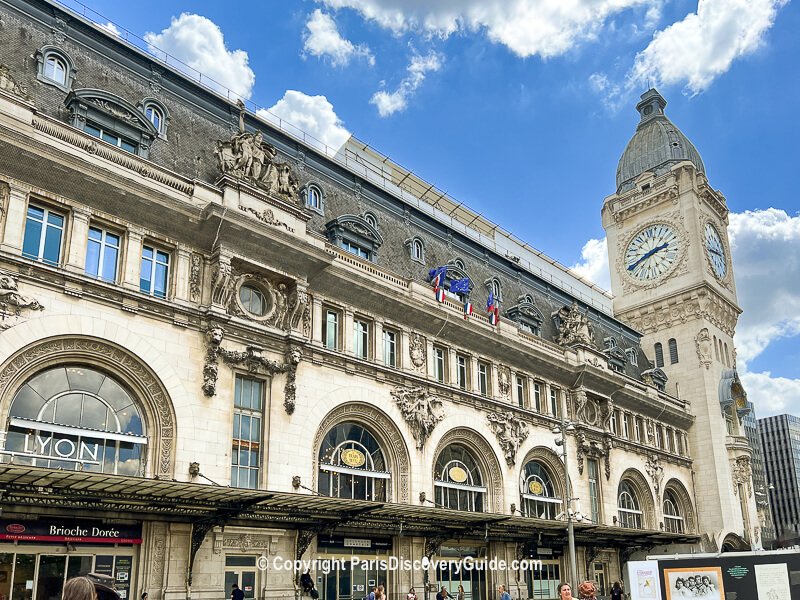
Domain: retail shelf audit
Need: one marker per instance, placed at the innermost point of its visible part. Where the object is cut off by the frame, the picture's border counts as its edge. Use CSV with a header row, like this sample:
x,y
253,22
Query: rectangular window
x,y
102,254
356,249
521,391
483,379
154,276
248,414
615,422
389,348
679,443
626,425
110,137
438,364
461,371
594,490
671,440
555,405
361,338
537,397
638,427
331,330
44,231
659,437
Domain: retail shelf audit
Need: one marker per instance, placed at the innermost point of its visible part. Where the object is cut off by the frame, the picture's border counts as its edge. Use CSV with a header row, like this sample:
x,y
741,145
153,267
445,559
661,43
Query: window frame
x,y
46,227
462,372
629,518
156,249
102,252
439,364
484,378
149,104
361,338
659,352
327,311
537,396
251,413
672,345
554,402
43,55
390,337
593,477
521,386
312,189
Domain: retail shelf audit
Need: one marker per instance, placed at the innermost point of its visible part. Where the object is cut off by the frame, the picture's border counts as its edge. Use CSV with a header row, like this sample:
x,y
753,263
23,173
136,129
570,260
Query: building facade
x,y
223,348
760,479
780,441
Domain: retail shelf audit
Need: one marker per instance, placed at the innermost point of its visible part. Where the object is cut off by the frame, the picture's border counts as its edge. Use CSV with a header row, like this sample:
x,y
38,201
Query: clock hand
x,y
648,254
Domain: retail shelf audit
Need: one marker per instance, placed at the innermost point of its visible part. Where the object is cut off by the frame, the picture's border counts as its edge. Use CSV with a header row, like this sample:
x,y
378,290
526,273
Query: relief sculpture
x,y
421,410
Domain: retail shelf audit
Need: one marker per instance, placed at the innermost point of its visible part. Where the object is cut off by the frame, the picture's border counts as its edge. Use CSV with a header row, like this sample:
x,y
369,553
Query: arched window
x,y
673,520
493,285
313,197
628,507
457,480
55,67
673,351
417,250
538,495
370,218
716,347
157,114
352,464
77,418
659,355
727,356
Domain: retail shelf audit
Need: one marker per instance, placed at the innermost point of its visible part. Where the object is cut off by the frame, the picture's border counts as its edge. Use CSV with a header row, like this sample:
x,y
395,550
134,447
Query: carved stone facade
x,y
511,431
574,327
421,410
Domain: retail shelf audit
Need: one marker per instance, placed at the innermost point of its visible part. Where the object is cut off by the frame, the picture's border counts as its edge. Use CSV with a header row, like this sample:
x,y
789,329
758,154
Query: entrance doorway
x,y
473,580
242,571
600,577
346,583
39,577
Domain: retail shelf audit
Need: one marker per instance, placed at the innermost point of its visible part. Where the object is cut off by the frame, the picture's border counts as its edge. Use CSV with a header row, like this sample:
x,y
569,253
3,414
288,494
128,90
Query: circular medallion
x,y
353,458
457,474
652,252
536,487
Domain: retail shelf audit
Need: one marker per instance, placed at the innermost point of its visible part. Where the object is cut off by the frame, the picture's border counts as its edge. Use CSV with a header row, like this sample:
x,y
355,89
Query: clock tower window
x,y
673,351
659,350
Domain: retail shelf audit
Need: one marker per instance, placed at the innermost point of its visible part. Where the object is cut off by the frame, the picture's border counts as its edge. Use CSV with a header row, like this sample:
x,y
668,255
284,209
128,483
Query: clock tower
x,y
672,280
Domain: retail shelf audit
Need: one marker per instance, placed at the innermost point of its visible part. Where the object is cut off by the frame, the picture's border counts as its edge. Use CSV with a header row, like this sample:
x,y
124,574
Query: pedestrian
x,y
501,590
380,593
460,595
564,591
412,595
442,594
587,590
236,593
144,596
616,592
372,595
79,588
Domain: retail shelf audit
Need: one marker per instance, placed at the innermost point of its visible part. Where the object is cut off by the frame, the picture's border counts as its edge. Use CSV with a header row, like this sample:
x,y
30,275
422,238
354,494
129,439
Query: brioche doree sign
x,y
87,532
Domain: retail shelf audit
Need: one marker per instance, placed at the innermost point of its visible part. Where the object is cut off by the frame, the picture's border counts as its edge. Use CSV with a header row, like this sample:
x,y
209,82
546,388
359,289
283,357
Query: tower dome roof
x,y
656,146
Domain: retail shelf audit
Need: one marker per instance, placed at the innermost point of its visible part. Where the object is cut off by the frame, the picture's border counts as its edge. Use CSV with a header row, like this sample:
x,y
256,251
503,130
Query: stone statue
x,y
504,382
10,296
574,327
298,304
214,336
656,472
510,431
703,342
581,399
8,84
742,472
247,156
223,283
608,414
280,305
420,409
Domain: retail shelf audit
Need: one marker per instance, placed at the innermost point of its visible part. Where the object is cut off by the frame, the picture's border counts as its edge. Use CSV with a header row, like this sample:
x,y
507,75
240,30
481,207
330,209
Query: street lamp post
x,y
562,441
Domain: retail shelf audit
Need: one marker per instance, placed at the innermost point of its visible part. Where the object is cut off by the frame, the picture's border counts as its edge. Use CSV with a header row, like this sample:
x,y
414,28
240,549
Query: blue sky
x,y
521,110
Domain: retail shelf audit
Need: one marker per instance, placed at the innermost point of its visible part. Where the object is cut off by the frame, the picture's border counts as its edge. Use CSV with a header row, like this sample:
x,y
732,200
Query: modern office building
x,y
224,346
780,441
760,480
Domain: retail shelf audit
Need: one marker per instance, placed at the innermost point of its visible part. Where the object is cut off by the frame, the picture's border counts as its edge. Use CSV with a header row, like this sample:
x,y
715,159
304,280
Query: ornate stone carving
x,y
194,277
655,471
504,382
574,327
741,473
416,350
510,431
588,448
266,216
248,157
222,288
11,301
8,84
255,362
421,410
703,343
297,308
607,408
580,399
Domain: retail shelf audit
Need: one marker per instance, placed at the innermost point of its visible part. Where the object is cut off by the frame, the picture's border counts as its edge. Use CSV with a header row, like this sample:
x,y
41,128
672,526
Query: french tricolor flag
x,y
494,316
467,309
439,294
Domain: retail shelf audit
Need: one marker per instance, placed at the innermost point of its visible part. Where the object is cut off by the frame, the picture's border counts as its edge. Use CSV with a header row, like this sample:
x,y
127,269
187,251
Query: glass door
x,y
344,583
241,570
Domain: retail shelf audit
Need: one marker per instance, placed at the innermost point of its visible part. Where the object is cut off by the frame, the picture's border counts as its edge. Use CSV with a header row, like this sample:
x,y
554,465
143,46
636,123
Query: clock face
x,y
652,252
716,251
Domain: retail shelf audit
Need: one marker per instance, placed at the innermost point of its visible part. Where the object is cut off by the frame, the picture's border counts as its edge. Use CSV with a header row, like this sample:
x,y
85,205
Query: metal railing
x,y
373,166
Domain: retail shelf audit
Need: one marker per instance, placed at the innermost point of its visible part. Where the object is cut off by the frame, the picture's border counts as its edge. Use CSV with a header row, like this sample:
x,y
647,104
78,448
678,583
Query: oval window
x,y
253,300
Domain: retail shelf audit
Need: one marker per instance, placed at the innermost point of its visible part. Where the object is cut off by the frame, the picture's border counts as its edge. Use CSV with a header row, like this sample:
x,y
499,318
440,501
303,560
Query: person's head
x,y
461,588
235,586
500,588
380,589
690,580
79,588
617,586
411,591
444,591
144,595
706,579
679,583
564,591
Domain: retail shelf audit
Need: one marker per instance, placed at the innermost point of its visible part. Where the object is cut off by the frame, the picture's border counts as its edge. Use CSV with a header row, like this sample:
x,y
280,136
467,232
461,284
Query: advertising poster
x,y
122,576
642,581
773,582
699,582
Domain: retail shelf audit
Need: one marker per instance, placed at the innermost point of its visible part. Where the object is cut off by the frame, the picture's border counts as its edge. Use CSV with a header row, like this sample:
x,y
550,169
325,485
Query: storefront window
x,y
75,418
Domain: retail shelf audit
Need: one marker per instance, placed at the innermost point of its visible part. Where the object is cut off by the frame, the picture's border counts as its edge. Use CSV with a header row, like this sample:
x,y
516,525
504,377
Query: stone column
x,y
452,374
133,259
472,367
377,342
431,369
15,218
316,321
78,240
493,389
182,269
347,332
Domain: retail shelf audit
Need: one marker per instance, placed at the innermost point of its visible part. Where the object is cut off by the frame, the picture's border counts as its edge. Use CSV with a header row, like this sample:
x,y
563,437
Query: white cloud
x,y
110,28
390,103
594,263
771,395
199,43
323,39
702,46
527,27
313,115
